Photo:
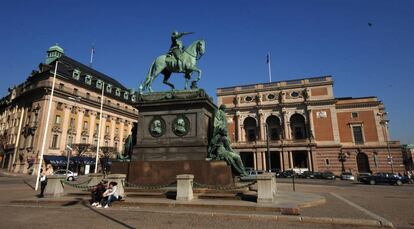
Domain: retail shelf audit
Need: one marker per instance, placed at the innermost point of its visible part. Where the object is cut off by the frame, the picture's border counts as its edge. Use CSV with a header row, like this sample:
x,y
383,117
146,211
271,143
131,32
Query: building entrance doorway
x,y
363,163
274,160
247,159
300,159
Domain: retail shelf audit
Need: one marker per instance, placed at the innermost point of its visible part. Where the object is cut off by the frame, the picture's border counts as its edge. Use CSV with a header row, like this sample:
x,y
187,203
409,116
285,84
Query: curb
x,y
255,216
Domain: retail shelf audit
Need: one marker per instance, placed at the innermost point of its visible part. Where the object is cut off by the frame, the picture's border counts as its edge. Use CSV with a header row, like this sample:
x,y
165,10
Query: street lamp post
x,y
342,158
69,146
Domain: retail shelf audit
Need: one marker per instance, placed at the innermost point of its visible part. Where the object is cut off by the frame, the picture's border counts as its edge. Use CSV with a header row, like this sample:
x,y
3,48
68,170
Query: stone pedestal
x,y
54,187
120,180
165,172
95,178
174,129
185,187
173,126
266,188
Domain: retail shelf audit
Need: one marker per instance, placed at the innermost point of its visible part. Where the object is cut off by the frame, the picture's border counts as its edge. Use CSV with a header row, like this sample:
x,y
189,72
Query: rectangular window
x,y
107,129
75,91
97,128
55,139
327,161
84,140
57,119
88,95
358,138
61,86
116,131
354,114
85,125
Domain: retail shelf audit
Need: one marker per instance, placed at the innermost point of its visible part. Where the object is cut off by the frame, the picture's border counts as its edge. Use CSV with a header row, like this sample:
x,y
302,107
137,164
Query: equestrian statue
x,y
178,60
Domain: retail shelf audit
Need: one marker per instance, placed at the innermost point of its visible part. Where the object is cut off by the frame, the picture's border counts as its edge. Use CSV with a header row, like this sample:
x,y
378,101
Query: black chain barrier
x,y
227,188
149,187
79,185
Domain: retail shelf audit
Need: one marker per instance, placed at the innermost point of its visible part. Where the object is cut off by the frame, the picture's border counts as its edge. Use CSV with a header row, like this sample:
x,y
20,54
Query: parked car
x,y
307,175
276,171
385,178
363,176
71,176
288,174
347,176
251,175
328,175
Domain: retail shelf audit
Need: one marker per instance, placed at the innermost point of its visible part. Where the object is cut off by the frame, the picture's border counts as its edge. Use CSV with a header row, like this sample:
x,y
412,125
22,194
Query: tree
x,y
81,148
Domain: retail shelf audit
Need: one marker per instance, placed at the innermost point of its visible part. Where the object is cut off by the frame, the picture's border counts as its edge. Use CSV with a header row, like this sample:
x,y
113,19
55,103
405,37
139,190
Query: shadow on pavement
x,y
28,184
86,204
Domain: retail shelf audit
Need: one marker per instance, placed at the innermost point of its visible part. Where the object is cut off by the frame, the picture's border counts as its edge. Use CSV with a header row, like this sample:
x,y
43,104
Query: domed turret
x,y
53,53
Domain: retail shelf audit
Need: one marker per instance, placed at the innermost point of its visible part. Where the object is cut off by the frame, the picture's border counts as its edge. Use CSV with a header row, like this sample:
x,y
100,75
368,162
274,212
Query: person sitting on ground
x,y
97,193
110,195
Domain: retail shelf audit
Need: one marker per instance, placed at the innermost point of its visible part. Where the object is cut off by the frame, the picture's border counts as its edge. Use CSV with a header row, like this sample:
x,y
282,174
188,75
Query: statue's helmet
x,y
175,33
222,107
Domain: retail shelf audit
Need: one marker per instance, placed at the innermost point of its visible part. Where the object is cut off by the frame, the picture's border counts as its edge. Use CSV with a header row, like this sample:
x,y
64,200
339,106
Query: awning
x,y
83,160
55,160
62,160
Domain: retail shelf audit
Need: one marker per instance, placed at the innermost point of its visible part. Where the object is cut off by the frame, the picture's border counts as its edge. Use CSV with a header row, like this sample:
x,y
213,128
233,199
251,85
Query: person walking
x,y
43,179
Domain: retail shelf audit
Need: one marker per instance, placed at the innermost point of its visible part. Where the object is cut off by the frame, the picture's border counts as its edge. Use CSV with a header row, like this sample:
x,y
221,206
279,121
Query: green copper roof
x,y
55,47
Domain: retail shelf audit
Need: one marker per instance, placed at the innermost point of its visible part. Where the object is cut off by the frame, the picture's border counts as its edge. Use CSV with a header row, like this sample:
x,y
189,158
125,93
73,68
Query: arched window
x,y
250,128
274,128
298,126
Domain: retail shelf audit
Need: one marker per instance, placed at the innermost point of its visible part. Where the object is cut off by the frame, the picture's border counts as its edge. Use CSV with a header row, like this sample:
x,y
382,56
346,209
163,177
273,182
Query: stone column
x,y
238,126
64,124
121,137
281,160
79,125
310,161
112,132
255,161
266,188
286,125
311,126
185,187
103,127
290,159
92,118
261,124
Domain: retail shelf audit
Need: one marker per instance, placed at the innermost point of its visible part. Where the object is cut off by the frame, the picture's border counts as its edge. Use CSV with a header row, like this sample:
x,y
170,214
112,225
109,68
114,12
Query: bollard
x,y
266,188
120,180
95,178
54,187
185,187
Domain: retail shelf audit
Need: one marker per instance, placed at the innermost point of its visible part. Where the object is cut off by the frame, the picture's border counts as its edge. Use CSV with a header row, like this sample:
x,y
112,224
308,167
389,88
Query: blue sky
x,y
306,39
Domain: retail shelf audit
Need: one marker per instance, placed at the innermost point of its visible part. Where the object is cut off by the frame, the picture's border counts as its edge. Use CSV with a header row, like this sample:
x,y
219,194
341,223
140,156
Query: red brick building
x,y
309,129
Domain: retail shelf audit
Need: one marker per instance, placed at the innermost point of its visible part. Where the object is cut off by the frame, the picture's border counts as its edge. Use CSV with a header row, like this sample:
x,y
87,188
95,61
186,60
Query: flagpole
x,y
99,129
269,67
46,127
92,52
